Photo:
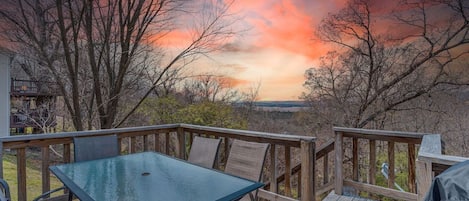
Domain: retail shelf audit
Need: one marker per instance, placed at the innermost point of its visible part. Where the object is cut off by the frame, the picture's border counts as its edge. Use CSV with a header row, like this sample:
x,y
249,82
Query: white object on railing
x,y
385,172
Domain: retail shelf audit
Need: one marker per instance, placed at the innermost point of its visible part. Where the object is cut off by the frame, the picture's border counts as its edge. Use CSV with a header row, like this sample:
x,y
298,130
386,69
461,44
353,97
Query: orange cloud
x,y
234,82
284,25
173,38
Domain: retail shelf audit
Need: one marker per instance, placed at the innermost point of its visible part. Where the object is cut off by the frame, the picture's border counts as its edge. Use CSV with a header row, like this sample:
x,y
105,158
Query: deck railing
x,y
362,143
324,170
33,87
355,150
175,139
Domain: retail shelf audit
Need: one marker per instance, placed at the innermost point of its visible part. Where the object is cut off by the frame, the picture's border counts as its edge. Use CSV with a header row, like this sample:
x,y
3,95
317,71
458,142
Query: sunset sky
x,y
276,48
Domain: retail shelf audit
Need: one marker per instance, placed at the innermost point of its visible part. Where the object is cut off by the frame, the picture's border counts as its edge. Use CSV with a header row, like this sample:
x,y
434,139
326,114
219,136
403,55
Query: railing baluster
x,y
227,149
391,164
166,145
287,181
21,165
372,173
273,169
325,167
145,143
67,154
45,174
299,184
156,146
411,168
190,139
119,145
355,159
133,145
339,180
181,143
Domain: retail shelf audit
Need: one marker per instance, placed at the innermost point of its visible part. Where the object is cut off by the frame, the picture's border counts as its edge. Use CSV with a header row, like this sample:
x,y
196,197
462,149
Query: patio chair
x,y
95,147
5,195
204,151
85,149
246,160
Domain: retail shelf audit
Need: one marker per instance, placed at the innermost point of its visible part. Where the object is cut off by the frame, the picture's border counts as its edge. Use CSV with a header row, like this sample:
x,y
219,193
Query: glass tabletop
x,y
149,176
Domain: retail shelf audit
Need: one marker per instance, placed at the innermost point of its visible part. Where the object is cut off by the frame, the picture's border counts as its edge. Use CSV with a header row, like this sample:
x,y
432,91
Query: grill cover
x,y
451,185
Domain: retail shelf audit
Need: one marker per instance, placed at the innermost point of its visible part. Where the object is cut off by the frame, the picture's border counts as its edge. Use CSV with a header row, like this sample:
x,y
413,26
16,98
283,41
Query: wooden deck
x,y
333,197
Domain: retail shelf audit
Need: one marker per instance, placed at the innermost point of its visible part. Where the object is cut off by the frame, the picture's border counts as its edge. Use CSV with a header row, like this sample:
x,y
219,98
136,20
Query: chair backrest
x,y
204,151
246,159
95,147
5,189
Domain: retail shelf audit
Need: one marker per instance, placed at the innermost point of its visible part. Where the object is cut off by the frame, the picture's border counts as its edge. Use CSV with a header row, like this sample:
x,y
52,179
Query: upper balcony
x,y
33,88
295,168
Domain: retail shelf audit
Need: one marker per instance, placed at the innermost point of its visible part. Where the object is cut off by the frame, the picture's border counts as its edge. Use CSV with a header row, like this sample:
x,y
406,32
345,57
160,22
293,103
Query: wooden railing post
x,y
411,168
67,153
424,178
372,173
145,143
355,159
273,169
166,144
21,166
182,142
325,169
339,181
308,159
156,146
287,182
133,145
391,173
45,169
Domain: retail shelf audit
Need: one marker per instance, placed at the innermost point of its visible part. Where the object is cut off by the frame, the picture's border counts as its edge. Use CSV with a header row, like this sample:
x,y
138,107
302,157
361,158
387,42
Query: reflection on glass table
x,y
149,176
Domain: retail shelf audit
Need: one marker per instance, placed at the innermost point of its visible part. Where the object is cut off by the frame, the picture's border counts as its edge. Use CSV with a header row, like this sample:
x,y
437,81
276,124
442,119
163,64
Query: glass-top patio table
x,y
149,176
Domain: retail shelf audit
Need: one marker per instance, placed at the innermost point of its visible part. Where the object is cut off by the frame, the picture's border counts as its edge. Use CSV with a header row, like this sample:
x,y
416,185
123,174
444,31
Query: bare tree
x,y
375,71
37,112
96,50
211,88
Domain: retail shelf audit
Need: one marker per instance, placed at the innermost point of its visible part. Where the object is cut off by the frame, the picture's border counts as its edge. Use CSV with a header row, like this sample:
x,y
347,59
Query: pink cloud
x,y
285,25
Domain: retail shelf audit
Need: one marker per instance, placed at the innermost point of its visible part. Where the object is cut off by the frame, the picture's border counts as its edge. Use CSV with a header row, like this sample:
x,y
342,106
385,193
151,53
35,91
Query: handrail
x,y
372,132
382,135
18,138
292,140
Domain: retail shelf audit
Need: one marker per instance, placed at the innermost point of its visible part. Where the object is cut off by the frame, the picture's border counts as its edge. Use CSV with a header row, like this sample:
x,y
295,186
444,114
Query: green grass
x,y
33,181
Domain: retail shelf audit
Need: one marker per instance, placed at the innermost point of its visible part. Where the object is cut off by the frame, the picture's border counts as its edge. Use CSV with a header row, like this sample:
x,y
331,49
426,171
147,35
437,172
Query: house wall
x,y
4,94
